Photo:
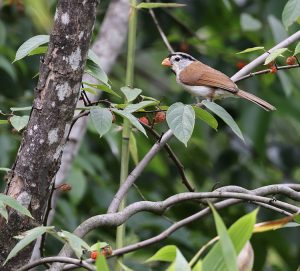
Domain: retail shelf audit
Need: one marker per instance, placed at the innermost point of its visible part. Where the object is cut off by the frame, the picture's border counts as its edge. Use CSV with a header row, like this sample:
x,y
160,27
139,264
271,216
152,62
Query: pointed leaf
x,y
297,49
38,51
19,122
133,120
11,202
94,58
102,120
76,243
104,88
26,108
125,267
101,264
159,5
276,53
5,169
181,120
30,45
94,70
252,49
198,266
291,13
136,107
27,238
240,232
249,23
180,263
206,117
165,254
98,246
131,93
227,247
224,115
272,225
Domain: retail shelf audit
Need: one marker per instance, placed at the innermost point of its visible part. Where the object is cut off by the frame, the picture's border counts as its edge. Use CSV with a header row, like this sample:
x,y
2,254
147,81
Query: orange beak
x,y
166,62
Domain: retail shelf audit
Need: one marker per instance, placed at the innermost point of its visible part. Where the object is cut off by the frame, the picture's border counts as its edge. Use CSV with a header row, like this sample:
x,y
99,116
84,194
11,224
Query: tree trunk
x,y
43,140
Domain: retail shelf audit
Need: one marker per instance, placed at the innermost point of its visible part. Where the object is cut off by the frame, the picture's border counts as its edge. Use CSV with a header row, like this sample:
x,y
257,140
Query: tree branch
x,y
77,263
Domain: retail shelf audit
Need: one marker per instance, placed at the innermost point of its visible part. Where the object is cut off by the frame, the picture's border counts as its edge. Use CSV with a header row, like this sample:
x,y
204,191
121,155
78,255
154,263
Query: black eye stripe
x,y
184,56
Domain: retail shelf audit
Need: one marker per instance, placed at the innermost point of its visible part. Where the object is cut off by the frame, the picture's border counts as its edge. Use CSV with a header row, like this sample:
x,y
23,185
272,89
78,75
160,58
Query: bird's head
x,y
178,61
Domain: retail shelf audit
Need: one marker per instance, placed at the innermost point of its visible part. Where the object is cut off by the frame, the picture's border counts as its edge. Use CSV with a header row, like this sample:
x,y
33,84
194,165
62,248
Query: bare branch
x,y
76,262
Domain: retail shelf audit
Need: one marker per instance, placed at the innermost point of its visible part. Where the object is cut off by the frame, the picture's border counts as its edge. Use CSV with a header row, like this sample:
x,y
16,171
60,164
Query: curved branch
x,y
239,194
58,259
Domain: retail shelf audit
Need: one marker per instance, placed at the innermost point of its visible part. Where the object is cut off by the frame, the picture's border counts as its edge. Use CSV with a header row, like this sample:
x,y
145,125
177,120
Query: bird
x,y
204,81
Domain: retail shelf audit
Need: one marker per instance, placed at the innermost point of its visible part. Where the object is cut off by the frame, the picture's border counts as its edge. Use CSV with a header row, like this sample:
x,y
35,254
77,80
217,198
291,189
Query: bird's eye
x,y
177,59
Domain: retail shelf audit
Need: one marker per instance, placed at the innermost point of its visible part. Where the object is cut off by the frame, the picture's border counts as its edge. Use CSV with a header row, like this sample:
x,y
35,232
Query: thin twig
x,y
287,67
161,32
174,158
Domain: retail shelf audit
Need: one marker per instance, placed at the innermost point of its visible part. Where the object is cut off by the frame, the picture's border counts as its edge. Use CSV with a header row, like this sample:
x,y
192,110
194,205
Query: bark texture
x,y
43,140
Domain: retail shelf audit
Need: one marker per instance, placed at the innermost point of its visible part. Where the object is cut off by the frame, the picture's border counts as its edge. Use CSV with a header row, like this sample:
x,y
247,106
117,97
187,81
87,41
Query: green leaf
x,y
159,5
227,247
78,183
104,88
133,148
5,169
252,49
95,59
278,31
102,120
124,267
133,120
38,51
98,246
291,13
94,70
14,109
248,23
276,53
224,115
89,90
19,122
8,68
4,121
131,93
30,45
165,254
76,243
240,232
11,202
26,238
198,266
101,264
206,117
297,49
180,263
136,107
181,120
3,211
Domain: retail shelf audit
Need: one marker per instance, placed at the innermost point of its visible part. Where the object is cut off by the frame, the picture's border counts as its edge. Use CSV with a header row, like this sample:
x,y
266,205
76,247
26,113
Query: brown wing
x,y
199,74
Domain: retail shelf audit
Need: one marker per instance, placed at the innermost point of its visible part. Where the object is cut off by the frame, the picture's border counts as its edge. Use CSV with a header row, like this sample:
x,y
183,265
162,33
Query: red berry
x,y
159,117
94,254
273,69
241,64
144,120
106,251
64,187
291,60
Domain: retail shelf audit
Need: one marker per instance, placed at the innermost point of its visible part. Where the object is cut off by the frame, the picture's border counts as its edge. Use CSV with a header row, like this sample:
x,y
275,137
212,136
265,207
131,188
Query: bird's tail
x,y
246,95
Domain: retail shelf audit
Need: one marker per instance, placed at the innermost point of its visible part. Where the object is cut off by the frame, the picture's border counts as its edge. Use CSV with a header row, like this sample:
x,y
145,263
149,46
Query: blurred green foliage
x,y
213,31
